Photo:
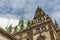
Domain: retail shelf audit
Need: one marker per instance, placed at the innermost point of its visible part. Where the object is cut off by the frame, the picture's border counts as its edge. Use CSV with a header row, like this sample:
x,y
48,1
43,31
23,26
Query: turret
x,y
28,24
39,16
39,12
21,24
22,27
21,21
9,29
56,25
15,29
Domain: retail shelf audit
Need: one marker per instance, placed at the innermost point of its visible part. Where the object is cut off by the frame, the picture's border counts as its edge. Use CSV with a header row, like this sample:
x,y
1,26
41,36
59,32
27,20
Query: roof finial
x,y
39,8
55,20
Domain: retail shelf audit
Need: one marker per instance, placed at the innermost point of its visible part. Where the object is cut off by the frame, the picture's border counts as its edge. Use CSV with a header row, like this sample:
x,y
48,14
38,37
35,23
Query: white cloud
x,y
14,22
4,22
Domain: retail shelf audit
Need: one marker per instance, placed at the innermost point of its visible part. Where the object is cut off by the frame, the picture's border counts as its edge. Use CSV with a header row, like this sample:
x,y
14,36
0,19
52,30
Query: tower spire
x,y
21,23
15,29
28,24
7,25
9,30
39,12
56,25
55,22
38,9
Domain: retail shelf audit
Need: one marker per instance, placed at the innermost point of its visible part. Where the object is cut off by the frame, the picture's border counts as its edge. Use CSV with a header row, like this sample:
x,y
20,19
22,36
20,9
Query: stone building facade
x,y
41,28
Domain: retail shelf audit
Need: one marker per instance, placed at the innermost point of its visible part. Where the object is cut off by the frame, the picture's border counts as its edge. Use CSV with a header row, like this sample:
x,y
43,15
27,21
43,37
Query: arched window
x,y
43,28
37,29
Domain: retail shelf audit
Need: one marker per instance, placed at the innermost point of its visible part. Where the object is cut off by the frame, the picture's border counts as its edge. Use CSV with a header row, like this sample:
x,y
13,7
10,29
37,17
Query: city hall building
x,y
40,28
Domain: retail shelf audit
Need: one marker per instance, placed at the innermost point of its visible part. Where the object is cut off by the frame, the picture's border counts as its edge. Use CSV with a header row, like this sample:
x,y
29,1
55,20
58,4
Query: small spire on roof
x,y
38,8
55,21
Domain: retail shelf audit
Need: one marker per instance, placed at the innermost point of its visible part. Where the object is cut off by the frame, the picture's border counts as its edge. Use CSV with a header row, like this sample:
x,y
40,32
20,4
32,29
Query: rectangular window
x,y
43,28
38,30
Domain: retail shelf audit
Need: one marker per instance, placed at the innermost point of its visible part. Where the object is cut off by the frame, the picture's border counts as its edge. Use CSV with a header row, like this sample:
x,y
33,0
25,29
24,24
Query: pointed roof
x,y
56,23
21,21
39,12
28,22
38,9
10,26
7,34
56,26
15,27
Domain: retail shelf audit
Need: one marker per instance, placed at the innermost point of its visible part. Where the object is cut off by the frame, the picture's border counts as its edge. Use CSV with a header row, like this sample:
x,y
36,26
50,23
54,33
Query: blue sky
x,y
12,10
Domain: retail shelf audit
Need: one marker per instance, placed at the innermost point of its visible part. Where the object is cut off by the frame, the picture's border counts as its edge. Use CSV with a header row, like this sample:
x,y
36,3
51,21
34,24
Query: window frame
x,y
37,30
